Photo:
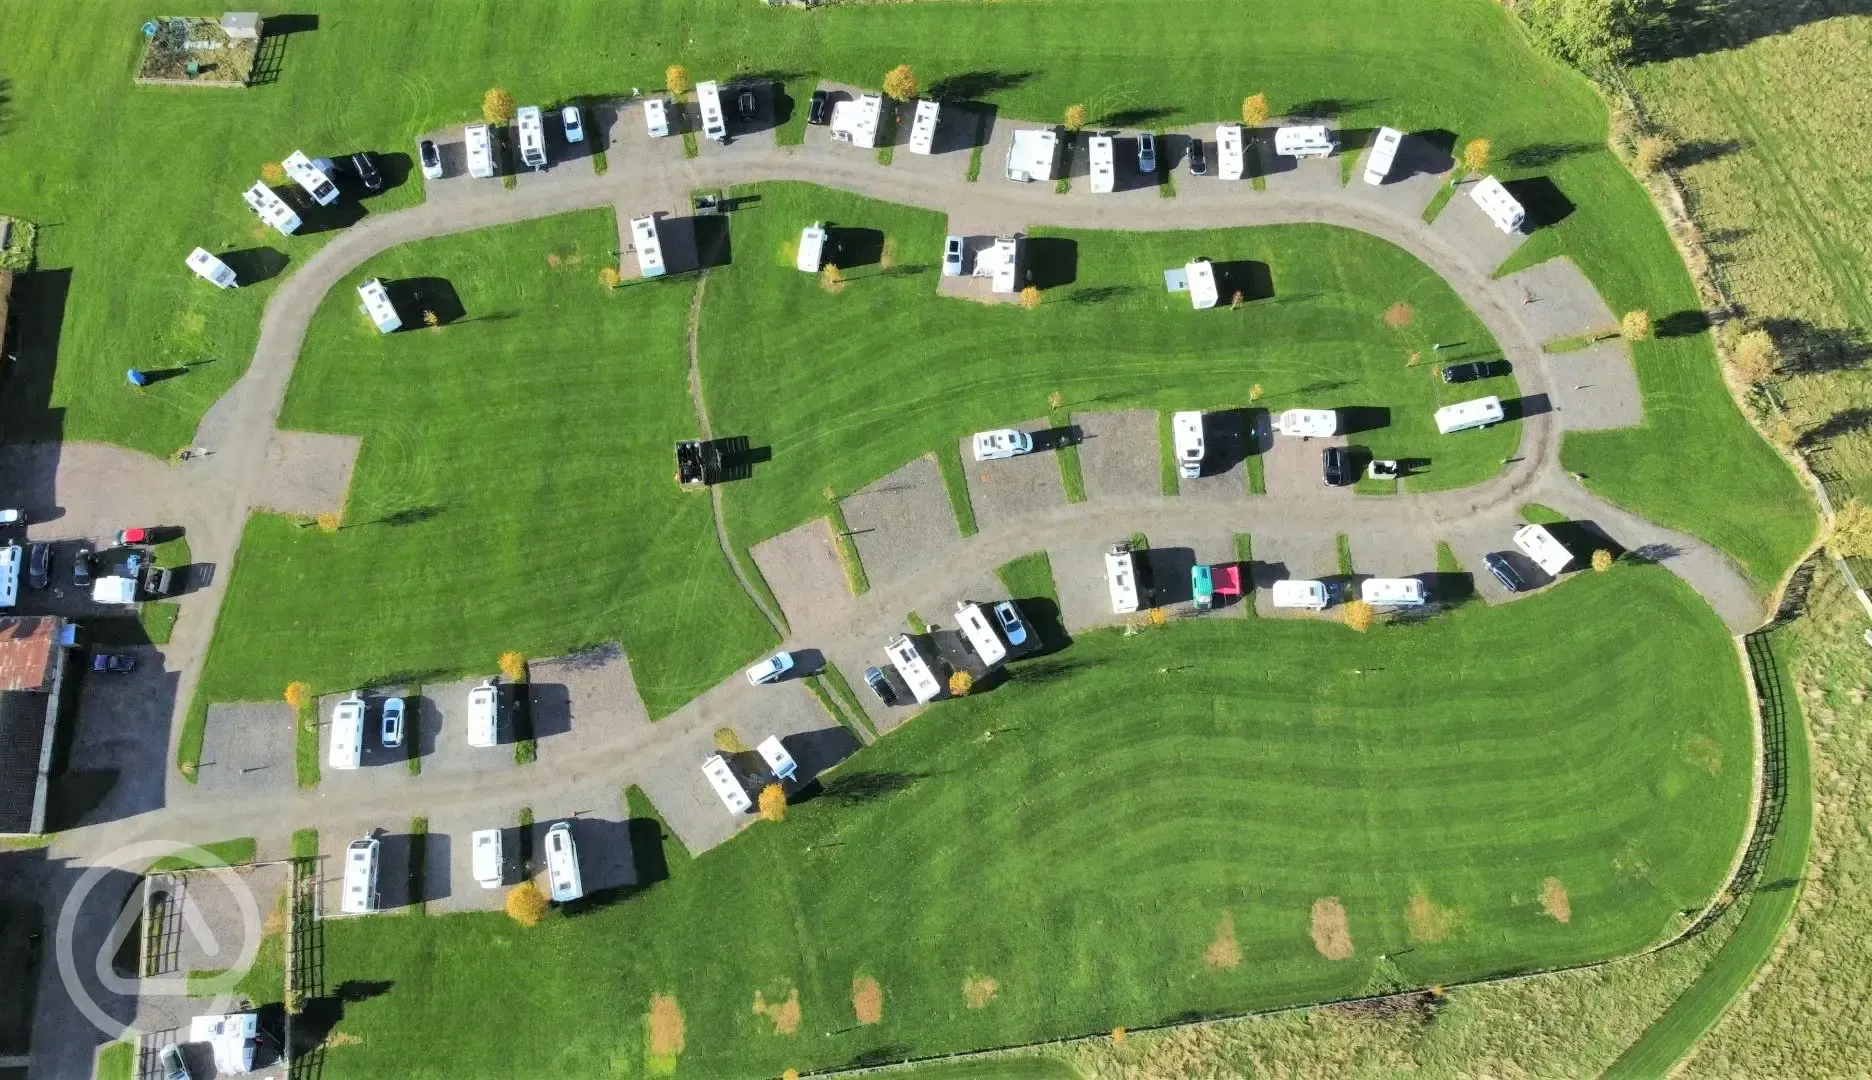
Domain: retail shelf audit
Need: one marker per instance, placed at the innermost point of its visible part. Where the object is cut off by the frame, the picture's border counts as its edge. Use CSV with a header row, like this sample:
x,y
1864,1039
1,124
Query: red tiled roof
x,y
26,649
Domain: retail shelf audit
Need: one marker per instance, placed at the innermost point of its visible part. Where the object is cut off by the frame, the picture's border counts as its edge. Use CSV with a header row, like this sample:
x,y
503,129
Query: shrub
x,y
1359,615
497,106
831,278
513,666
1588,34
1075,117
1118,1036
298,694
1851,532
1635,326
900,83
327,522
432,320
1754,356
1255,393
1602,560
1030,297
526,905
1157,616
1475,154
960,683
1254,111
1649,154
676,79
608,277
773,803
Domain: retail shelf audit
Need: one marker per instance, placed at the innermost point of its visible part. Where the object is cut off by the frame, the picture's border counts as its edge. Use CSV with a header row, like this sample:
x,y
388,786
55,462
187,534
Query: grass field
x,y
1422,831
513,490
121,217
886,370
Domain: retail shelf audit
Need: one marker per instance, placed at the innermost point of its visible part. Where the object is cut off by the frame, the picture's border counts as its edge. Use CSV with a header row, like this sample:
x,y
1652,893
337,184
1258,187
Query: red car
x,y
126,537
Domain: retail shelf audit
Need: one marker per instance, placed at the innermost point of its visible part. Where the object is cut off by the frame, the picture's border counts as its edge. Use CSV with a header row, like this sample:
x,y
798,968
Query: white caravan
x,y
1501,207
480,143
272,209
1299,593
485,847
656,117
914,669
562,865
1305,141
1032,154
714,124
483,715
1464,415
811,248
313,176
360,877
721,776
532,137
923,127
649,247
856,122
347,734
1200,274
378,306
1547,552
979,632
1308,423
1392,592
775,754
212,270
1231,161
1121,579
1104,171
1186,435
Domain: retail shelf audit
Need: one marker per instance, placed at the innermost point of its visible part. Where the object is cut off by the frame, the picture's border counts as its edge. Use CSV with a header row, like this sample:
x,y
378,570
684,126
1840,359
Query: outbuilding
x,y
721,776
1537,543
1200,273
979,632
1231,161
314,176
1464,415
1032,155
775,754
648,246
1308,423
923,127
1299,593
656,117
708,99
1305,141
1121,579
532,137
378,306
909,662
480,144
856,122
1502,208
212,270
1104,174
1383,155
812,241
272,209
1392,592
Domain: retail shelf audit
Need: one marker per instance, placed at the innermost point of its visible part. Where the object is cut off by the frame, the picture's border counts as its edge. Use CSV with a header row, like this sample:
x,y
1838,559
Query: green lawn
x,y
846,387
514,488
1149,837
235,852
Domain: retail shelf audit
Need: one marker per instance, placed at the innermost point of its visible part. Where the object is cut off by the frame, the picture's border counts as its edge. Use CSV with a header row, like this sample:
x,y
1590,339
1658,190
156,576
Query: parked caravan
x,y
1464,415
1104,169
778,759
1231,159
1200,274
649,247
1307,423
480,143
484,715
1300,594
1186,435
486,857
313,176
1001,264
714,124
1121,579
1501,207
915,670
347,734
377,305
856,122
978,631
360,877
721,776
12,557
562,865
1392,592
1537,543
212,270
272,209
812,241
532,136
1032,154
923,127
656,117
1305,141
1383,155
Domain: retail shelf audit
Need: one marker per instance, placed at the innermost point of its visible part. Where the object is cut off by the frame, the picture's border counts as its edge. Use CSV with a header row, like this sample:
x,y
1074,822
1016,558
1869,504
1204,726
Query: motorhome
x,y
1501,207
484,715
378,306
978,630
347,734
1032,155
1383,155
272,209
1307,423
1392,592
1200,273
923,127
714,123
656,117
648,246
1464,415
1001,264
486,851
1121,579
532,137
916,671
212,270
1305,141
12,557
360,877
856,122
1539,544
1104,169
1231,160
1299,593
728,788
314,176
812,241
1186,435
480,143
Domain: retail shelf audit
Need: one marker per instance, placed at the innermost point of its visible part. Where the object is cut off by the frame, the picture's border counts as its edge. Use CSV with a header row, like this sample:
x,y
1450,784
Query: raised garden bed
x,y
179,40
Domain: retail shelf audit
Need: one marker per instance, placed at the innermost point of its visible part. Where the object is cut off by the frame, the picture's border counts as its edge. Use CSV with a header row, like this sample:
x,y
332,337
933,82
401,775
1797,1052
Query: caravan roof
x,y
211,269
775,754
915,670
347,734
1231,163
312,176
811,248
708,97
231,1036
1501,207
1308,423
11,558
1304,141
1392,592
923,127
1541,546
484,715
1031,155
1383,154
1001,263
649,247
1121,579
1469,414
480,145
562,865
1299,593
360,877
272,209
856,122
532,136
721,776
1202,283
378,306
1104,173
979,632
656,117
1186,434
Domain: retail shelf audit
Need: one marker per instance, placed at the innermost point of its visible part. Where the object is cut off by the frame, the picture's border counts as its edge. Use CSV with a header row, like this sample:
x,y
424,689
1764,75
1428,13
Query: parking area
x,y
117,762
247,748
1555,300
802,569
442,716
1282,553
902,522
1119,455
1292,468
1596,388
1420,168
308,472
1006,492
377,763
580,703
1470,232
1171,558
1230,438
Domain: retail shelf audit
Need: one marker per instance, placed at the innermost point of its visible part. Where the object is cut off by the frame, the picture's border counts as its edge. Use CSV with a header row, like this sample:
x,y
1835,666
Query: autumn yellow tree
x,y
831,278
1475,154
526,905
676,79
773,803
432,320
900,83
298,694
608,277
1602,560
1254,111
1118,1036
1030,297
497,106
513,666
1635,326
1754,356
327,522
960,683
1255,393
1359,615
1075,117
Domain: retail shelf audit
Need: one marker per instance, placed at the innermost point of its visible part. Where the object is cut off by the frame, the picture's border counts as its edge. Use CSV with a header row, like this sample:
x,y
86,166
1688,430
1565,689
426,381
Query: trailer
x,y
480,143
1000,263
714,122
212,270
1308,423
1539,544
775,754
978,631
721,776
1032,155
1104,171
378,306
1305,141
1383,155
272,209
856,122
1121,578
12,557
1200,273
656,117
1231,158
1186,436
1465,415
314,176
923,127
1300,594
532,137
916,672
1502,208
812,241
648,246
1392,592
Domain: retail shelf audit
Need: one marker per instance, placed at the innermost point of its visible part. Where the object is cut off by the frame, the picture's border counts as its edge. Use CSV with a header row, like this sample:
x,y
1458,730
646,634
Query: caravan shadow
x,y
816,751
255,264
1056,438
1052,261
1045,626
314,218
1542,200
1250,279
1521,408
962,126
1423,153
1228,438
853,247
1169,571
549,709
415,298
1448,589
1354,419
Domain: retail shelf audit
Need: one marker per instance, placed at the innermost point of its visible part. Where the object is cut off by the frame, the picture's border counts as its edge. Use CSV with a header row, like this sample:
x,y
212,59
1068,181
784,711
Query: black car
x,y
39,565
364,163
81,566
1475,369
746,104
819,108
113,663
1504,571
1198,164
1336,465
880,685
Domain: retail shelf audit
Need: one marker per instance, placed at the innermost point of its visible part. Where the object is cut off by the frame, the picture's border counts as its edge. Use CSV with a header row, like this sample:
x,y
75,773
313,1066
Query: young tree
x,y
526,905
1602,560
497,107
1851,532
513,666
1475,155
1055,400
1075,117
327,522
900,83
1649,154
676,79
960,683
1235,299
608,277
432,320
773,803
831,278
1030,297
1635,326
1254,110
1255,393
1754,356
1359,615
1118,1036
298,694
273,172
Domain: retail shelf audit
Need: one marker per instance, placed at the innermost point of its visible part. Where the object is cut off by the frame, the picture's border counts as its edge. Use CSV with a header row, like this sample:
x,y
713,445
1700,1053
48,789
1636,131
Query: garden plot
x,y
581,703
1004,493
801,568
903,522
1466,228
1594,389
1120,454
247,748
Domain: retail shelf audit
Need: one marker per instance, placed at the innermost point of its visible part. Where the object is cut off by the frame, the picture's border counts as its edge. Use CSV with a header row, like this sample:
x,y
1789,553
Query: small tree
x,y
497,107
1359,615
273,172
831,278
1851,532
900,83
1118,1036
1235,299
1649,154
1475,155
773,803
1635,326
960,683
1754,356
1602,560
1254,110
676,79
526,905
432,320
1055,400
513,666
1075,117
1255,393
1156,617
608,277
1030,297
298,694
327,522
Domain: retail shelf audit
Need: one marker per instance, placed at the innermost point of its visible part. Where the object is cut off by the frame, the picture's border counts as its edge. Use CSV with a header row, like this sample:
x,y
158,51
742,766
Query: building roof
x,y
27,648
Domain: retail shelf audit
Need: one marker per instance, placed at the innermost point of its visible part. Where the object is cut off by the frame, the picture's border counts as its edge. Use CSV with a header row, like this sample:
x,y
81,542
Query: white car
x,y
431,159
1002,443
393,722
952,257
771,669
573,123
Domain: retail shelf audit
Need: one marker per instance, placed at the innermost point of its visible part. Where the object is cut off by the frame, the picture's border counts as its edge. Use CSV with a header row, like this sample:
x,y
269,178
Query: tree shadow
x,y
1845,422
416,298
1098,294
321,1015
1541,155
974,85
1541,200
412,515
1698,151
1329,108
1807,349
1682,324
31,343
1680,28
1052,261
6,101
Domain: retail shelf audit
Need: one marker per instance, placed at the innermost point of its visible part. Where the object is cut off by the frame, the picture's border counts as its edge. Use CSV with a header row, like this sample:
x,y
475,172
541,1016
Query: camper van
x,y
1032,154
649,247
271,208
1186,434
775,754
313,176
377,305
1547,552
1121,579
1231,162
1392,592
485,847
721,776
1305,141
915,670
1501,207
480,143
212,270
1383,155
1308,423
347,734
1104,172
708,99
811,248
12,557
484,715
980,634
562,865
360,877
656,117
856,122
532,137
1464,415
923,127
1299,594
1202,283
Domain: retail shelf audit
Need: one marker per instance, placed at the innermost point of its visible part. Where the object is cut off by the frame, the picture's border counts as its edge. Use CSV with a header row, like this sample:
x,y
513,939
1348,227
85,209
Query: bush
x,y
608,277
773,803
526,905
298,694
1030,297
1359,615
273,172
1851,531
1075,117
960,683
1602,560
1254,111
497,106
1754,356
1476,154
513,666
676,79
1649,154
1589,34
327,522
1635,326
900,83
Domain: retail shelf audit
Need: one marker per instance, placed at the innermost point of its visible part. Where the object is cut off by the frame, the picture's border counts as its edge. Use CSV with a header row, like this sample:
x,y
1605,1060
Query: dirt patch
x,y
784,1014
1331,934
1553,899
867,999
1428,920
666,1026
553,260
888,259
1705,753
1224,952
1399,315
979,990
341,1038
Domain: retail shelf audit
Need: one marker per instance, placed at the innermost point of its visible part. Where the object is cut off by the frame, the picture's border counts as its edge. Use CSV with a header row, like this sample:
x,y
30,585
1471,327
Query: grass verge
x,y
955,483
847,548
305,843
238,851
1539,514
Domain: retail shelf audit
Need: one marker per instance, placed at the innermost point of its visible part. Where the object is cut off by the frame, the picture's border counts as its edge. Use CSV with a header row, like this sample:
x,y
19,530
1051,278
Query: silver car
x,y
1147,153
393,722
952,257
